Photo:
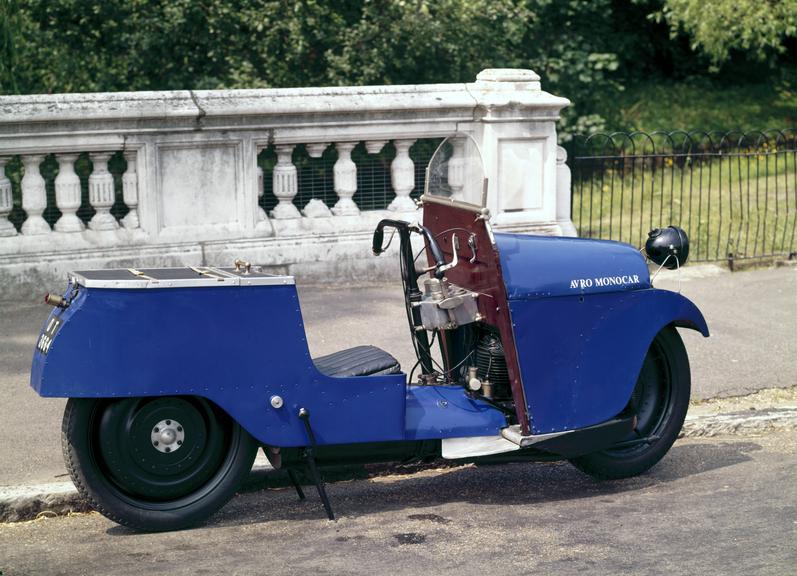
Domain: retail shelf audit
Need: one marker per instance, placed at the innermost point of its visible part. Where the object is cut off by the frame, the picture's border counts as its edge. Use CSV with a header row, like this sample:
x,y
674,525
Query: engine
x,y
445,306
491,367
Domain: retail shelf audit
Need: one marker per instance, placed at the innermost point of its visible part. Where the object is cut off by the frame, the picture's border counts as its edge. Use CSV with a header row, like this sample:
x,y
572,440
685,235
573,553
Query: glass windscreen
x,y
456,171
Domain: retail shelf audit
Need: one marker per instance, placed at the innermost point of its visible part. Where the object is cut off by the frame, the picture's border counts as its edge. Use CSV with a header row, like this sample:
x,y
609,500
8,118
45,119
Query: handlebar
x,y
409,276
379,233
404,228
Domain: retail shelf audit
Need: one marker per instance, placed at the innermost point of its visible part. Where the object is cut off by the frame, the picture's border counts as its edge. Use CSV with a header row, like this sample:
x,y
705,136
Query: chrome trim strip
x,y
224,279
451,202
210,272
81,280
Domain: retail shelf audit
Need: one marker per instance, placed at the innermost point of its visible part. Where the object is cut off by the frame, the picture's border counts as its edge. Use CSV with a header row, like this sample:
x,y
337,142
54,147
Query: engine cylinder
x,y
491,364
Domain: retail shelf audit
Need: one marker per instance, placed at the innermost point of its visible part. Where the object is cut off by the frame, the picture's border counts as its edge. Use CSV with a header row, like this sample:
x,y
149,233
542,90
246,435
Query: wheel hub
x,y
167,436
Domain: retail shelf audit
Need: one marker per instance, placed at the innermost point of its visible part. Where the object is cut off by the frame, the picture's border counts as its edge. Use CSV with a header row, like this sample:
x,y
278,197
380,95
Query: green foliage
x,y
94,45
705,104
586,50
718,27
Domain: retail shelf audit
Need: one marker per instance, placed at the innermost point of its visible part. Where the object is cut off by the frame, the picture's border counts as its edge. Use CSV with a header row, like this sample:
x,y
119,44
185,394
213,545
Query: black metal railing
x,y
734,193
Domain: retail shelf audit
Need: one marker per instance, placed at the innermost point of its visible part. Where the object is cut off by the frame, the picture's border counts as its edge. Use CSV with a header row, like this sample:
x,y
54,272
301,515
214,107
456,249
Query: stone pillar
x,y
34,197
563,194
516,133
68,194
285,184
6,202
130,191
456,169
345,172
101,193
402,176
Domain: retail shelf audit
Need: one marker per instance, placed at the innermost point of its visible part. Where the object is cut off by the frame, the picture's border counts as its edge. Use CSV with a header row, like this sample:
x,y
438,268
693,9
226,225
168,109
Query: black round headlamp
x,y
668,246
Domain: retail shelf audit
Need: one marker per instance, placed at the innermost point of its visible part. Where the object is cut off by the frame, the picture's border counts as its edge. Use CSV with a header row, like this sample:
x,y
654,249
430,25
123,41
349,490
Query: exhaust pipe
x,y
55,300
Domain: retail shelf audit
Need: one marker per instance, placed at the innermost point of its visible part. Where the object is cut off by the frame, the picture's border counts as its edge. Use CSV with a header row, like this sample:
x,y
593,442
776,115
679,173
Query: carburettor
x,y
445,306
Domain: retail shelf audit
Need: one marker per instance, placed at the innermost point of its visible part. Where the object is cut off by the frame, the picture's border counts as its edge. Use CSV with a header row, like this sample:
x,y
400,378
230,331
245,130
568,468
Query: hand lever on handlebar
x,y
454,260
404,229
434,248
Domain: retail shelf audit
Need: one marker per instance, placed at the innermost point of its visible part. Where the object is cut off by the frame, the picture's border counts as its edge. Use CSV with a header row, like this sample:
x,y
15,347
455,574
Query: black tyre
x,y
155,464
660,400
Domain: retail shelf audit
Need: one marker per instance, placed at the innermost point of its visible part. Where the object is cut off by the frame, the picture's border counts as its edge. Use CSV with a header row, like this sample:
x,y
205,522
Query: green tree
x,y
95,45
719,27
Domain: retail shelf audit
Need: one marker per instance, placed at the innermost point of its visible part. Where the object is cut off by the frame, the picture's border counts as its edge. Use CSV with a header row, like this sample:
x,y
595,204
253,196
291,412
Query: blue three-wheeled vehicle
x,y
528,348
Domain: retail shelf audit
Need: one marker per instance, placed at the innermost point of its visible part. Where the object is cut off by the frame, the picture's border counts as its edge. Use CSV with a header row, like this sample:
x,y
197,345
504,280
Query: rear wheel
x,y
155,463
660,400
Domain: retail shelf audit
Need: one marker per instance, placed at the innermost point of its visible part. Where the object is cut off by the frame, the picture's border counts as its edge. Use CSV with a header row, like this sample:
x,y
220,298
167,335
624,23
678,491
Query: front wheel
x,y
154,464
660,400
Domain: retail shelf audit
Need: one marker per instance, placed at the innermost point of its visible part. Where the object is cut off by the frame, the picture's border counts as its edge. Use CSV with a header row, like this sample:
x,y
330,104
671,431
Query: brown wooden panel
x,y
483,276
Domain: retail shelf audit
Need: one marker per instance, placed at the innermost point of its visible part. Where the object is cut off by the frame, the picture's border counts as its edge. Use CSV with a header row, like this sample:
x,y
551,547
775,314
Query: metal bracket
x,y
309,455
239,263
295,482
514,434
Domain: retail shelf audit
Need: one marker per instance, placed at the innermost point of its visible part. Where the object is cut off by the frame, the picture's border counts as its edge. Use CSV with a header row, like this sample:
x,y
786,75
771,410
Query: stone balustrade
x,y
203,177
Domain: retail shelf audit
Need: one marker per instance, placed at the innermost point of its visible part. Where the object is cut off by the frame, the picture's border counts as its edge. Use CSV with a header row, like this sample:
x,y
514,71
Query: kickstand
x,y
295,482
309,455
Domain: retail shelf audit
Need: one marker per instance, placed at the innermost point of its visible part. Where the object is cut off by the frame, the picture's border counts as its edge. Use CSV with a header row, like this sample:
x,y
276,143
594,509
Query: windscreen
x,y
456,171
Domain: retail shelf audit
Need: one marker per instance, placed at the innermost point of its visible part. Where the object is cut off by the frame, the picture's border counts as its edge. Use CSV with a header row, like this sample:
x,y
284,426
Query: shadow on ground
x,y
269,496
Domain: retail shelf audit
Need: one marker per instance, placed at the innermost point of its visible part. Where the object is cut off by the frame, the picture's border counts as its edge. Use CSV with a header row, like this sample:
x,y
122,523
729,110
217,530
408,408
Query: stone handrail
x,y
191,181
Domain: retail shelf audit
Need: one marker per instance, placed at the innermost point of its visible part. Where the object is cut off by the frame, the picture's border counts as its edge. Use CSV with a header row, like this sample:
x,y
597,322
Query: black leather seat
x,y
358,361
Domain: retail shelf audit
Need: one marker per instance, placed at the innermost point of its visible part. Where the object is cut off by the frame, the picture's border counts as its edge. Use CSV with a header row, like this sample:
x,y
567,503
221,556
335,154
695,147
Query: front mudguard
x,y
580,356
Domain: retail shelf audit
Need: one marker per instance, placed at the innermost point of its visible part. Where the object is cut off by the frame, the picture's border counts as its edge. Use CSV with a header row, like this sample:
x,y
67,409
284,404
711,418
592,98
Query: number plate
x,y
48,335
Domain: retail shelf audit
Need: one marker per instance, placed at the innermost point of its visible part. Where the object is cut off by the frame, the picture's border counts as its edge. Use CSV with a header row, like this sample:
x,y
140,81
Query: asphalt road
x,y
752,316
720,506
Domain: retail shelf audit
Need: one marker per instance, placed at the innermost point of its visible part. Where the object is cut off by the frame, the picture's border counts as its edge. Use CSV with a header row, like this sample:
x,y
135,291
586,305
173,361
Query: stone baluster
x,y
101,193
285,184
316,149
67,194
34,197
345,173
563,180
315,207
6,202
402,175
456,169
261,190
130,191
375,146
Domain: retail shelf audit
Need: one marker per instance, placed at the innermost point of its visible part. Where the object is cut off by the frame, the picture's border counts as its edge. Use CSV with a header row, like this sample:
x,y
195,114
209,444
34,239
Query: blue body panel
x,y
580,357
545,266
446,412
237,346
583,317
581,339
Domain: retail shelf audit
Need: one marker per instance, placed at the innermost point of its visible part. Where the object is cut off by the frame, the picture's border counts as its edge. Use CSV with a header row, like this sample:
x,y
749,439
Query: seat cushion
x,y
357,361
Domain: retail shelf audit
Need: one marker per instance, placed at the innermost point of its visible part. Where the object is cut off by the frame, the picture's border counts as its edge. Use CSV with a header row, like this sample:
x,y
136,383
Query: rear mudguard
x,y
238,347
580,355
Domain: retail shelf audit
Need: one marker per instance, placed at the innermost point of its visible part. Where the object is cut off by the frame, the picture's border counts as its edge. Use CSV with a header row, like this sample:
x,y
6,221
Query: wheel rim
x,y
651,401
193,443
